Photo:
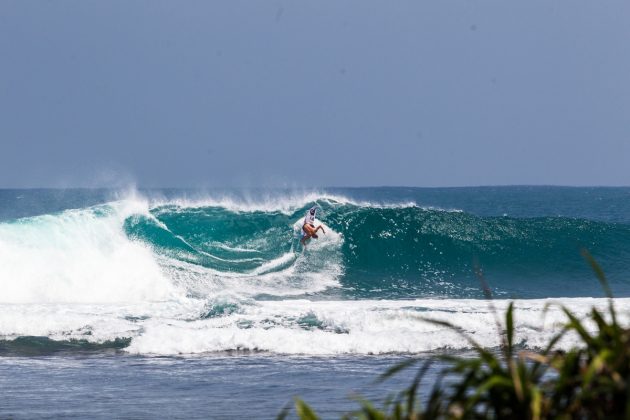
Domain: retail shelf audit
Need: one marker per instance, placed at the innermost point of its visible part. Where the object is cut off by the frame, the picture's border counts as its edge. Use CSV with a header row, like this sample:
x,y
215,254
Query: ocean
x,y
173,303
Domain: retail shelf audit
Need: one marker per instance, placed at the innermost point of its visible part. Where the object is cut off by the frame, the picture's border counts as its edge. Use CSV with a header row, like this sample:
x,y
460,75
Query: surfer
x,y
308,228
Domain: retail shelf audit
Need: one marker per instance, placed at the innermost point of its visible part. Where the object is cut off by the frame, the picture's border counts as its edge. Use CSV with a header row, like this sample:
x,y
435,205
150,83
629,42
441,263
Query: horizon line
x,y
310,187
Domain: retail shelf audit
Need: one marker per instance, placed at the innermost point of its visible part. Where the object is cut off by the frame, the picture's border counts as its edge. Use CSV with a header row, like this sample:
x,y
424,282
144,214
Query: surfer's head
x,y
312,210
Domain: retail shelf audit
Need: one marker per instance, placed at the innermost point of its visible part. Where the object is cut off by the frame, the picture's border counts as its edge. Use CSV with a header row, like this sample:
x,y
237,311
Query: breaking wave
x,y
181,276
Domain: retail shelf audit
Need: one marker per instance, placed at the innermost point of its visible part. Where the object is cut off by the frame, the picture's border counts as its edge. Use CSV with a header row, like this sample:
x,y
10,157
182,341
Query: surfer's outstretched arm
x,y
320,227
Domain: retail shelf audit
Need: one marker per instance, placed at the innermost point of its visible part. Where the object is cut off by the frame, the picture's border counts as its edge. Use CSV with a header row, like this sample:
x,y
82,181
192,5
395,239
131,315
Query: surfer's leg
x,y
307,233
305,237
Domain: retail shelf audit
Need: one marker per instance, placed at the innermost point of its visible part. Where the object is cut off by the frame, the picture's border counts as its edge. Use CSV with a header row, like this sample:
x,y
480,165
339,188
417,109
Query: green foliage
x,y
591,381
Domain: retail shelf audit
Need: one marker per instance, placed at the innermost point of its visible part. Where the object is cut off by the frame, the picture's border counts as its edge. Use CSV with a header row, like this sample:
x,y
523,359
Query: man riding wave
x,y
308,228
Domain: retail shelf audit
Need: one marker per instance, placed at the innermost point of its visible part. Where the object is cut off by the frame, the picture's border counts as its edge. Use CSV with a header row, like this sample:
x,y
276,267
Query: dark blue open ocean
x,y
203,304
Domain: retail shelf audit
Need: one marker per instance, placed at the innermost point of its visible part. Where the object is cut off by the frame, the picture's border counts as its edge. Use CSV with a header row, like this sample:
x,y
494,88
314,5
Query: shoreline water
x,y
221,387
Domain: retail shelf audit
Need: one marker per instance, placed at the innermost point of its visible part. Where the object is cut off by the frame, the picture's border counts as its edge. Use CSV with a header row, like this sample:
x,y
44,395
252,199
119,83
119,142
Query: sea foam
x,y
78,256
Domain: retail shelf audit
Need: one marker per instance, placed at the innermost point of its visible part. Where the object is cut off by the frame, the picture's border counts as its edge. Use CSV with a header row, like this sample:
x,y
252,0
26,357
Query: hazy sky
x,y
314,93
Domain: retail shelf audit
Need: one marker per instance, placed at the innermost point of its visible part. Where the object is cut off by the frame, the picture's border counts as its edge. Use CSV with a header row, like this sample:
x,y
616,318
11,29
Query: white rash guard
x,y
310,218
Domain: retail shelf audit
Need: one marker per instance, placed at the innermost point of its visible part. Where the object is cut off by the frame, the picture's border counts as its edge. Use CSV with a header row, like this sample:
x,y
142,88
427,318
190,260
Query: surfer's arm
x,y
320,227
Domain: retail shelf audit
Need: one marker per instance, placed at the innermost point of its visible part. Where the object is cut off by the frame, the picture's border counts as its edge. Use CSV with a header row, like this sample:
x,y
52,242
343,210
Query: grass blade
x,y
304,411
395,369
509,327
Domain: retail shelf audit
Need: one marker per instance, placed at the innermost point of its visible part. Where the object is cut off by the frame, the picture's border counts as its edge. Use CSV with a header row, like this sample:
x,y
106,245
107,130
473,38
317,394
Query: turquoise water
x,y
402,251
165,282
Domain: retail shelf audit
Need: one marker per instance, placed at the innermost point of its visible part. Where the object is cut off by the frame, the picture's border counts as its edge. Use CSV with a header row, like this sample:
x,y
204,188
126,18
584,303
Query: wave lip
x,y
285,203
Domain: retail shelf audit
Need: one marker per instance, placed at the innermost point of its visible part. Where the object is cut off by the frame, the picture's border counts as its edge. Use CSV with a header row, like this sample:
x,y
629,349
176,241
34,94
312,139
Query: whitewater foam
x,y
78,256
358,327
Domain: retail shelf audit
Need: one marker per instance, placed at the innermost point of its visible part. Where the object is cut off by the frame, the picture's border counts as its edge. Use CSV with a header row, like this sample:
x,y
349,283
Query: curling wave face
x,y
385,251
176,276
